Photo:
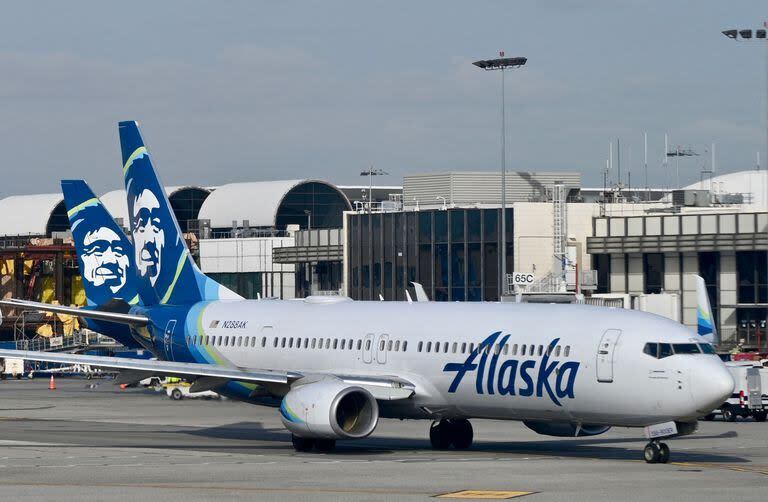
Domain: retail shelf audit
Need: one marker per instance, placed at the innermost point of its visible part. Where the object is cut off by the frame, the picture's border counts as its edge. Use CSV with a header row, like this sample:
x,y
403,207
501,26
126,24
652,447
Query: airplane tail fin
x,y
705,322
166,272
104,252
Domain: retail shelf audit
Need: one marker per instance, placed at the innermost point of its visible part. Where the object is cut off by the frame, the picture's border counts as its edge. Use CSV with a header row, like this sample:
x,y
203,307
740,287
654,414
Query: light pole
x,y
371,172
501,64
759,35
309,218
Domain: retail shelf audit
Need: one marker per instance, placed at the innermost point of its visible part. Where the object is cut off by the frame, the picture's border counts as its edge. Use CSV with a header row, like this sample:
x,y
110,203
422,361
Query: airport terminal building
x,y
294,238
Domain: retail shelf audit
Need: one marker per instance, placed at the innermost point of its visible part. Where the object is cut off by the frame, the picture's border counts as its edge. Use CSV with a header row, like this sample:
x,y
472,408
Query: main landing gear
x,y
447,432
656,452
301,444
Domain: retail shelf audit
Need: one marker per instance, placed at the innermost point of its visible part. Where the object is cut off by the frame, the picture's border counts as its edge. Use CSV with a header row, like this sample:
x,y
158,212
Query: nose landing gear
x,y
656,452
456,432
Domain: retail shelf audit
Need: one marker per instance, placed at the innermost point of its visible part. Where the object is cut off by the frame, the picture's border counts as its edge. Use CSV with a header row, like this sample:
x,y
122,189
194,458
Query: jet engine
x,y
329,409
565,429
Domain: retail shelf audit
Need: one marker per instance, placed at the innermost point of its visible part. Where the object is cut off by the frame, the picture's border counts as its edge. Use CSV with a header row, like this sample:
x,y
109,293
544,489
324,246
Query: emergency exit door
x,y
605,355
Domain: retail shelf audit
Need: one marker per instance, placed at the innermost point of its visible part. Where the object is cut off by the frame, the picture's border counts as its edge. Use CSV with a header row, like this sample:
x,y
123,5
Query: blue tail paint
x,y
105,256
166,272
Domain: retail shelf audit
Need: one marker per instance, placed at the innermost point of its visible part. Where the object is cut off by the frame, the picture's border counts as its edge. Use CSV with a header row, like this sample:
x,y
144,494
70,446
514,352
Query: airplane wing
x,y
209,376
100,315
159,367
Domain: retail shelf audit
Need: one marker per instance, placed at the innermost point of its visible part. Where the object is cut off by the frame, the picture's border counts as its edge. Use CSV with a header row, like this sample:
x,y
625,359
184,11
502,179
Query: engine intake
x,y
329,409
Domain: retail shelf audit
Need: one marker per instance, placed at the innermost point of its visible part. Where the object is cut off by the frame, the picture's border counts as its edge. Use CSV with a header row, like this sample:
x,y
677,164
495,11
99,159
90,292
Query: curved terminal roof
x,y
257,202
752,182
27,214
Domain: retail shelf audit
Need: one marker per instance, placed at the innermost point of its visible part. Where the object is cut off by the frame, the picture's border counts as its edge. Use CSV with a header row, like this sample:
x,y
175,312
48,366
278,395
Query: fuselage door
x,y
368,348
168,339
381,349
605,355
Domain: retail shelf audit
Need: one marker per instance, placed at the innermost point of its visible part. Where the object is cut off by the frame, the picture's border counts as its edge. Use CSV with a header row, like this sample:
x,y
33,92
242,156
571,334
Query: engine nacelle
x,y
329,409
565,429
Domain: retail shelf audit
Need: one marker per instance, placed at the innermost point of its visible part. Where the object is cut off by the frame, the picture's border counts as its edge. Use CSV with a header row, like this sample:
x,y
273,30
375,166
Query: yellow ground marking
x,y
484,494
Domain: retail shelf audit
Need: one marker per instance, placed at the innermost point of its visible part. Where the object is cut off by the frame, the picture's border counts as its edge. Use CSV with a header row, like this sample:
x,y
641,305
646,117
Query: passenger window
x,y
549,350
335,343
506,349
405,346
567,351
464,347
497,349
239,341
437,346
263,341
282,343
290,343
514,350
652,349
343,343
381,346
306,343
429,346
389,345
665,350
327,343
454,347
275,343
522,350
541,350
359,344
351,344
557,351
397,346
445,347
472,348
420,346
367,345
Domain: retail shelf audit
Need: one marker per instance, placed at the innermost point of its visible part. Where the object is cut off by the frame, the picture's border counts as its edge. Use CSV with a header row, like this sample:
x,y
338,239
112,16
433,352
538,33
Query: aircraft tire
x,y
652,453
663,453
461,434
760,416
301,444
440,435
728,414
177,395
325,445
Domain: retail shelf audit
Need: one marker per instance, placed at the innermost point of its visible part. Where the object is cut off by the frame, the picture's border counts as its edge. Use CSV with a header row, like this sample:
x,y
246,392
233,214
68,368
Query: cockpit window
x,y
652,349
686,348
665,350
707,348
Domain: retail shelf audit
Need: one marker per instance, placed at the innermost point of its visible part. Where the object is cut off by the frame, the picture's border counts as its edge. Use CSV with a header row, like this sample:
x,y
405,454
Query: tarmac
x,y
90,440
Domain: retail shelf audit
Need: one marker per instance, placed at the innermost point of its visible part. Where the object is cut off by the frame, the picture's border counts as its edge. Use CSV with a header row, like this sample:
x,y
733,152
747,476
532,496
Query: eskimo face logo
x,y
148,235
105,261
513,377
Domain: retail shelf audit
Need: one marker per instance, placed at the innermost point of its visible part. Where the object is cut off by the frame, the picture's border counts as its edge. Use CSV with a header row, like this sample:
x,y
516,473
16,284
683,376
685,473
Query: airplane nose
x,y
711,384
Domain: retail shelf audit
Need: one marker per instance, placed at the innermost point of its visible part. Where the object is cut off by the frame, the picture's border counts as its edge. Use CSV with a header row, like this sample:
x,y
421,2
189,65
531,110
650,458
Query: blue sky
x,y
257,90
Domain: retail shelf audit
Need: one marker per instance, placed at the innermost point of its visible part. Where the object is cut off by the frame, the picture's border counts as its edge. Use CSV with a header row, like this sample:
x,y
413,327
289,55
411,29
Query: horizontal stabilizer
x,y
99,315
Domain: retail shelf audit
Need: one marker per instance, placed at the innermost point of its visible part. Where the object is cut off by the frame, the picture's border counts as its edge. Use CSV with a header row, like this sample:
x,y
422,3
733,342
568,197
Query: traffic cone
x,y
52,385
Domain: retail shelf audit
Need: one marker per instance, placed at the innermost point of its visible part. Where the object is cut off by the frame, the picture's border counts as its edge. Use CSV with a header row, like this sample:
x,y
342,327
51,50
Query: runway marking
x,y
483,494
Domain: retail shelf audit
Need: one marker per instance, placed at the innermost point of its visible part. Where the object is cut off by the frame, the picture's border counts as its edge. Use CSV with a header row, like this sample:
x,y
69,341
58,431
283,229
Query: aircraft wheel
x,y
176,395
760,416
652,453
728,414
302,444
440,435
663,453
325,445
461,434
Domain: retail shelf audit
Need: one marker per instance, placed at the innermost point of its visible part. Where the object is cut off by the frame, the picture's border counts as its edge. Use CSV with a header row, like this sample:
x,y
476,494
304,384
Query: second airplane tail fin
x,y
166,272
104,252
705,321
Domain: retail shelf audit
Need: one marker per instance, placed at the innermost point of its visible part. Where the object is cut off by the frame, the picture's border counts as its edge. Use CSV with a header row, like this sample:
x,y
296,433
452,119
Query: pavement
x,y
90,440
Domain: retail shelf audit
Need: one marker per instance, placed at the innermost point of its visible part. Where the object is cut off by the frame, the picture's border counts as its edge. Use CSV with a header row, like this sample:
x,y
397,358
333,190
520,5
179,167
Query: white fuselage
x,y
561,376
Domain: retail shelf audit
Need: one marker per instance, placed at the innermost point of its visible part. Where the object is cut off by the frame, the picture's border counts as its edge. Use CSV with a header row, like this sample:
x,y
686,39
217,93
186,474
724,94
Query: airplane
x,y
334,366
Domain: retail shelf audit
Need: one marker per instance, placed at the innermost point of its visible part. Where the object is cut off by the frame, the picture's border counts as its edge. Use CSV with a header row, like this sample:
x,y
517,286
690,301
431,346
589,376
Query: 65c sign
x,y
522,279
